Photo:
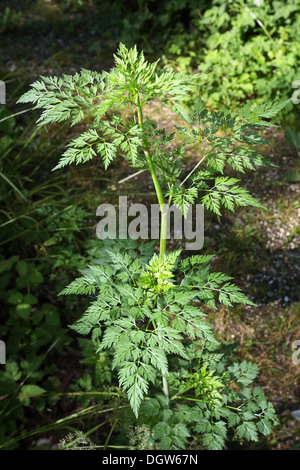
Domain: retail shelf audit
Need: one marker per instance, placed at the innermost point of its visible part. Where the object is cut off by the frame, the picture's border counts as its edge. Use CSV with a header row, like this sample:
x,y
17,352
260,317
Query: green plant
x,y
9,19
148,311
76,441
243,50
31,330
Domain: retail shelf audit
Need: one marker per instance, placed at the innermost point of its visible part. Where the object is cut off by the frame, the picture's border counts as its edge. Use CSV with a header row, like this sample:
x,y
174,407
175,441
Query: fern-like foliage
x,y
212,398
99,97
144,315
148,310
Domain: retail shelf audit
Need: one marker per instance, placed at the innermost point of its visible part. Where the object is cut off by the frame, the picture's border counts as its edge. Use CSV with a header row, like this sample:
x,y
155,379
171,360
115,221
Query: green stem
x,y
163,209
109,435
159,194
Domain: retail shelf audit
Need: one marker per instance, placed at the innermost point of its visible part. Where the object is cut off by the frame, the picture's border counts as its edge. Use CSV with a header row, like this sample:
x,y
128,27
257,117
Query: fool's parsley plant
x,y
148,310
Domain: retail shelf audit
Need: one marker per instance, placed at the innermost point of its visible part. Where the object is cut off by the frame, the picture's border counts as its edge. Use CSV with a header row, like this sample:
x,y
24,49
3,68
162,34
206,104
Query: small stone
x,y
296,414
